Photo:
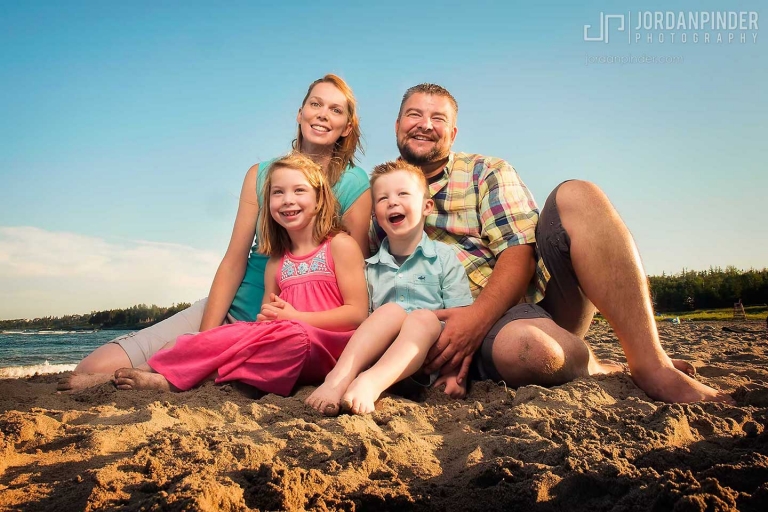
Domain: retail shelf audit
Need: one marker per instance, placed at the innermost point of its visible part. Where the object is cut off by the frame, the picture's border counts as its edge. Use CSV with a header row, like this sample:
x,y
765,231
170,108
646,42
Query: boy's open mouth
x,y
396,218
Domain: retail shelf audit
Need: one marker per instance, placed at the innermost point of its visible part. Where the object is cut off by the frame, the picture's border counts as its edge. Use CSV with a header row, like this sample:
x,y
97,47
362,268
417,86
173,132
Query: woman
x,y
329,133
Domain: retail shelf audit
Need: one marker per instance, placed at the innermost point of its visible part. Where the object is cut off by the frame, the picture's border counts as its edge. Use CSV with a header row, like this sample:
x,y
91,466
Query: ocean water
x,y
23,354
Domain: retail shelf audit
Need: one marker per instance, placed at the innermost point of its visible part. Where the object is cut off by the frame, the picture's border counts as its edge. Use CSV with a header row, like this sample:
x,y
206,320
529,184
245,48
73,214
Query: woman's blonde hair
x,y
273,238
345,148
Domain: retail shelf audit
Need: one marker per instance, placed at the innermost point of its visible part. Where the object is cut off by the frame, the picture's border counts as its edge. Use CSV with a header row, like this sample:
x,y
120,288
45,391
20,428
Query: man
x,y
577,254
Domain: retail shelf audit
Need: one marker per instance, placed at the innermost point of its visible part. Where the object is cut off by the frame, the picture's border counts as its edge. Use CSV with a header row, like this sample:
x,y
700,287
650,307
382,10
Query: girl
x,y
309,311
329,133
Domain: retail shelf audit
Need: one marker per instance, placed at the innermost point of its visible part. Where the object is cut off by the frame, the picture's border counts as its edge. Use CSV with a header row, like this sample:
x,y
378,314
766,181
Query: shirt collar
x,y
436,186
426,246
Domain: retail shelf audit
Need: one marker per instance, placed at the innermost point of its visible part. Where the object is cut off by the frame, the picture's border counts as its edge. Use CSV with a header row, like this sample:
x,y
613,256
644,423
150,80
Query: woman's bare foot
x,y
361,395
671,384
79,381
131,378
327,397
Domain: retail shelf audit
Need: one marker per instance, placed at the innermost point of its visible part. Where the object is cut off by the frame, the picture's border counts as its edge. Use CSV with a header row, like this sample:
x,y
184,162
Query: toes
x,y
331,410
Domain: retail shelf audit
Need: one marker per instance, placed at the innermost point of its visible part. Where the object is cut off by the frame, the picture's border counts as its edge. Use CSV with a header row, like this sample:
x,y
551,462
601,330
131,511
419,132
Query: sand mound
x,y
593,444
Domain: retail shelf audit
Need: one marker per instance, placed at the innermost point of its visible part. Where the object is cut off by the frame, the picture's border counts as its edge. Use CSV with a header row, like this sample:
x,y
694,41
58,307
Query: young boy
x,y
409,277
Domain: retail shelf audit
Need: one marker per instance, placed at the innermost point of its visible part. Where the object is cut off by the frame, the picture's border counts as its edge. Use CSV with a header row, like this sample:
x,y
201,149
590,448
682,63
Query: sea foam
x,y
15,372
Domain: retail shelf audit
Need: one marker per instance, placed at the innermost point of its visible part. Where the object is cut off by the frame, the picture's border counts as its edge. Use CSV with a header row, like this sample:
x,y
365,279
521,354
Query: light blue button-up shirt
x,y
431,278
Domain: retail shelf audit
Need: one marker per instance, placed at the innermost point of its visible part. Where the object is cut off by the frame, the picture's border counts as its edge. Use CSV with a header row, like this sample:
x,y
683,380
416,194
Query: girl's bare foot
x,y
131,378
79,381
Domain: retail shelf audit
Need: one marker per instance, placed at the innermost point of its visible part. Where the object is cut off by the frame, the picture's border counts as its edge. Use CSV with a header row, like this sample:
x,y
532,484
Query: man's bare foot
x,y
79,381
131,378
672,385
326,398
684,366
605,366
361,395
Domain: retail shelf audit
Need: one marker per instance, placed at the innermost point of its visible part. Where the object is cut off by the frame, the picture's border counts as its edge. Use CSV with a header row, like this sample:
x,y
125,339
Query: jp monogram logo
x,y
605,25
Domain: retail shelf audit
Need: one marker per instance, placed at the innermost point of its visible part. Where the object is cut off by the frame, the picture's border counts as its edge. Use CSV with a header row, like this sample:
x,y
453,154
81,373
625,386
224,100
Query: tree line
x,y
135,317
708,289
689,290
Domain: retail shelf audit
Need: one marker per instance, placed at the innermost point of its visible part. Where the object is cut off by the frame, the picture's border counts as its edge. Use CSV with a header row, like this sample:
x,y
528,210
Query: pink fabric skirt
x,y
271,356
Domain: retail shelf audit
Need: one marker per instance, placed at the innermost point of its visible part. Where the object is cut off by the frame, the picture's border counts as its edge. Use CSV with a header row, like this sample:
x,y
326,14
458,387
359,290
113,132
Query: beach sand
x,y
593,444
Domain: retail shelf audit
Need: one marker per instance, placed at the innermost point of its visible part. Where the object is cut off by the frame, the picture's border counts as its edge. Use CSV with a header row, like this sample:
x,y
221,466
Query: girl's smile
x,y
292,200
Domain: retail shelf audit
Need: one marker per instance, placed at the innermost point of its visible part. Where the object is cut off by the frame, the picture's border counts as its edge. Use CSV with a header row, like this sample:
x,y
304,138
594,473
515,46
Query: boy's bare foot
x,y
326,398
79,381
671,384
361,395
131,378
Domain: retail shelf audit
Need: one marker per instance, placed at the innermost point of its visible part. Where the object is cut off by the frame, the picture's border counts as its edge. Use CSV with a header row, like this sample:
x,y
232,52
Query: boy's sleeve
x,y
453,282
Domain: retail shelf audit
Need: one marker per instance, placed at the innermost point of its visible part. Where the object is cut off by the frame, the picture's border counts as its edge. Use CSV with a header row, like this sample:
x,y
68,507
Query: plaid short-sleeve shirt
x,y
481,208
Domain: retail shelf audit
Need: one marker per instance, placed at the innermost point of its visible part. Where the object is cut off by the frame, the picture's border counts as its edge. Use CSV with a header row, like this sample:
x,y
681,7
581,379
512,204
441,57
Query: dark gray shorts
x,y
564,301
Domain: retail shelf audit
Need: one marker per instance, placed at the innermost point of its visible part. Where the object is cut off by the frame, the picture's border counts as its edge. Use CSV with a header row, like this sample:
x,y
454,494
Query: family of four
x,y
468,278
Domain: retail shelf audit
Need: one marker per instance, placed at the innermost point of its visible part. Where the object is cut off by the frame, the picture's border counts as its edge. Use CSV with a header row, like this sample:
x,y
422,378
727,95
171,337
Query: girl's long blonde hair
x,y
273,238
345,148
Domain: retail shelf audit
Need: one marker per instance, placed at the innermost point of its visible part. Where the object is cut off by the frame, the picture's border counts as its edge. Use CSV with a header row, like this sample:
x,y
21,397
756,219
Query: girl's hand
x,y
277,309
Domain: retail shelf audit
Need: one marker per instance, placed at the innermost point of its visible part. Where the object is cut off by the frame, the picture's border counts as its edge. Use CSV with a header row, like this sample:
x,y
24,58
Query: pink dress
x,y
271,356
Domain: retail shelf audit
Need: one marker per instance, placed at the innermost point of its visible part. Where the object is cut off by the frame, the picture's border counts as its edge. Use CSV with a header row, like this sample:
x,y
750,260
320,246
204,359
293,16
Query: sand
x,y
593,444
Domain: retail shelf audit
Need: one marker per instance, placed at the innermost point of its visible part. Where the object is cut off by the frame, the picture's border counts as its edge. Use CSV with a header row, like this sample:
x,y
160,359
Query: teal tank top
x,y
247,302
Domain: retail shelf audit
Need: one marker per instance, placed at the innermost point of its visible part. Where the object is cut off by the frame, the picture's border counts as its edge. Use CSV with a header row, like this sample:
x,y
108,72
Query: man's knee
x,y
525,354
578,195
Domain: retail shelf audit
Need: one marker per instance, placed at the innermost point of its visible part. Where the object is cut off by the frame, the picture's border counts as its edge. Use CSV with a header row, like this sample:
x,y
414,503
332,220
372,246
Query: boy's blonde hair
x,y
400,165
273,238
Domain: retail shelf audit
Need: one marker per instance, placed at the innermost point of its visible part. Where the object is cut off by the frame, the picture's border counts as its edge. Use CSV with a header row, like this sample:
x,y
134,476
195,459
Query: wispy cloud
x,y
54,273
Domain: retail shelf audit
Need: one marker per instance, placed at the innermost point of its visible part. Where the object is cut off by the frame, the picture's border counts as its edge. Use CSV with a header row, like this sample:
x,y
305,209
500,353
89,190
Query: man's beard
x,y
418,160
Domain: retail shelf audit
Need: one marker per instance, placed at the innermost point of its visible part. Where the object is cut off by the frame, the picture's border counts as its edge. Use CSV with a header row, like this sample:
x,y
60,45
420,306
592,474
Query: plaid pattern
x,y
481,208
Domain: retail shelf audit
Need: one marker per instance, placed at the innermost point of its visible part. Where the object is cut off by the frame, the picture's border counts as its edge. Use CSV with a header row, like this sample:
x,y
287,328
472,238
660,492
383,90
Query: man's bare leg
x,y
403,358
368,343
608,266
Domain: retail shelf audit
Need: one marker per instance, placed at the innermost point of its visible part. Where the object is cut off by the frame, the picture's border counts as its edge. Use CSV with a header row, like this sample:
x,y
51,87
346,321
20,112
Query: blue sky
x,y
126,127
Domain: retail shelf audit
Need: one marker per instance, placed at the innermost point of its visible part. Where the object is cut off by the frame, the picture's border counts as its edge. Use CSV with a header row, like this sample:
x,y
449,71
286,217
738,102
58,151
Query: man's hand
x,y
461,337
276,309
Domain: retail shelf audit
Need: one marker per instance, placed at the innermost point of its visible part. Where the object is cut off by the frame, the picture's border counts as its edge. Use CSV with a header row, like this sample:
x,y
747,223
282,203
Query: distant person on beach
x,y
329,133
536,277
309,311
409,277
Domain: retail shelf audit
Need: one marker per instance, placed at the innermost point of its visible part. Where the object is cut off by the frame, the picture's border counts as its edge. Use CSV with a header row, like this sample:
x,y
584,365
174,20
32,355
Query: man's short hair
x,y
399,165
433,90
